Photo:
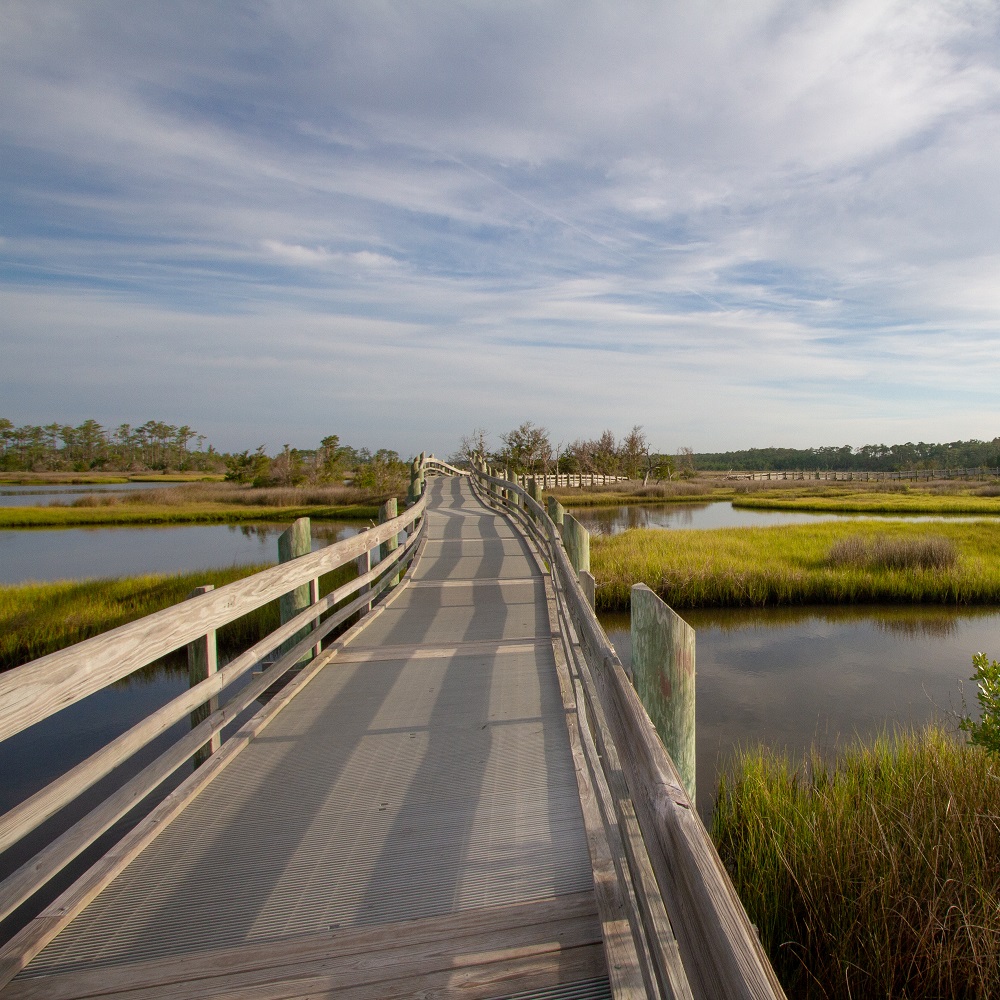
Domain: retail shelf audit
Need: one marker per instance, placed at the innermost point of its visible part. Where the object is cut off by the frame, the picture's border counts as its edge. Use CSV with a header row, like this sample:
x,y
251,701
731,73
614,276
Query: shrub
x,y
985,732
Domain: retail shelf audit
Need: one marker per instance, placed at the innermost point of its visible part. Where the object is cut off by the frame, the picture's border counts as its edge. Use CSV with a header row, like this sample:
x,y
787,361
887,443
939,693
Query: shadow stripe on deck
x,y
397,786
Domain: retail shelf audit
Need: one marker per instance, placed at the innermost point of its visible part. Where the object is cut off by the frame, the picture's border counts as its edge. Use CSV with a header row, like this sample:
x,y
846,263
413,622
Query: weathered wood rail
x,y
37,690
553,480
687,932
670,920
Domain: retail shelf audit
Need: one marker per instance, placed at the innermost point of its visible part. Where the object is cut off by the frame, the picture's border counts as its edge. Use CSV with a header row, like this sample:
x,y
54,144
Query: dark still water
x,y
720,514
789,678
79,553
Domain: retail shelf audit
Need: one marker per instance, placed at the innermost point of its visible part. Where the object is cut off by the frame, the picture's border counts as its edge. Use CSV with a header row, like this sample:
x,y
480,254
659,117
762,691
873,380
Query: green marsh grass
x,y
790,564
194,513
39,618
886,501
199,503
629,493
875,877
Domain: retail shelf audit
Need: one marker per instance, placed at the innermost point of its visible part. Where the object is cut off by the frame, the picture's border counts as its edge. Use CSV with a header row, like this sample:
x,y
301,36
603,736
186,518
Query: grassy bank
x,y
39,618
110,479
911,502
878,877
634,493
192,513
798,564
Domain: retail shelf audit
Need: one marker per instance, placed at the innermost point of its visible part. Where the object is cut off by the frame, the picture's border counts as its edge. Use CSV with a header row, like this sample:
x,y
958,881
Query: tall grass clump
x,y
876,877
888,552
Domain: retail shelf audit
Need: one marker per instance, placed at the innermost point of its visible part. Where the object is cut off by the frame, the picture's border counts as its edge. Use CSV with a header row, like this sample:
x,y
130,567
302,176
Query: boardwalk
x,y
410,823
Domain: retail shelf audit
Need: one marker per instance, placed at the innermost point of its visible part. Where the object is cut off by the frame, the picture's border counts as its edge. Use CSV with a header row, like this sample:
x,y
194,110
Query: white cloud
x,y
717,220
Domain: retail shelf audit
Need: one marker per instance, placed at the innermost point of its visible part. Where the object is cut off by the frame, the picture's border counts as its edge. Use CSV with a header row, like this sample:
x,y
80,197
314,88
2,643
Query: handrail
x,y
721,953
433,464
36,690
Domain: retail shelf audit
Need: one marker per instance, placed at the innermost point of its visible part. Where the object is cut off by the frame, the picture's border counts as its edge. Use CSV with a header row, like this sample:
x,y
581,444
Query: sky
x,y
737,223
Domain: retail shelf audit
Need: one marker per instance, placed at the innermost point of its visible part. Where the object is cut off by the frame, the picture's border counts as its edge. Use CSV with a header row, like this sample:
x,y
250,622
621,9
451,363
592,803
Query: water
x,y
43,496
43,554
790,678
720,514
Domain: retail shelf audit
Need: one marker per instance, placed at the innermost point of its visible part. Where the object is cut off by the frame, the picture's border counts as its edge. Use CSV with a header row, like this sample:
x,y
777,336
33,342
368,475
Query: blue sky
x,y
737,224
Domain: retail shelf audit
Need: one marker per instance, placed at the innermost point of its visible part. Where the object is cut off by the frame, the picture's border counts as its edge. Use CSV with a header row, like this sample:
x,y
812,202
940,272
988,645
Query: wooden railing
x,y
553,480
34,691
691,936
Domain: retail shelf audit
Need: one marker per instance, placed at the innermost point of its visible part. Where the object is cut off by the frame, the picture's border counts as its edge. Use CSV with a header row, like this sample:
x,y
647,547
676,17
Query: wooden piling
x,y
294,542
576,539
663,671
386,513
203,661
556,511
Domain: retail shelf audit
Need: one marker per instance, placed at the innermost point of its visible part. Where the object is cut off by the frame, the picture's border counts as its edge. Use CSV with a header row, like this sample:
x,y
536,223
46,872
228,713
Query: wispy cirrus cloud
x,y
740,223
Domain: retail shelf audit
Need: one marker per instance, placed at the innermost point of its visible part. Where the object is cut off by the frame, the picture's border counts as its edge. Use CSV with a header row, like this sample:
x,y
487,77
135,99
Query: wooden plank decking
x,y
409,823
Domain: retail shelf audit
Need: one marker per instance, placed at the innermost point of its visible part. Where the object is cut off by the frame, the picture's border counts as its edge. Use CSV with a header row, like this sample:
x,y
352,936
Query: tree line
x,y
89,446
330,463
528,449
870,457
160,447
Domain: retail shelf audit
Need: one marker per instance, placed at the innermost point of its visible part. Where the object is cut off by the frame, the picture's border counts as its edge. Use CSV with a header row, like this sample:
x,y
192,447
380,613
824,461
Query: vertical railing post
x,y
556,511
203,661
576,538
386,513
294,542
364,564
414,493
664,676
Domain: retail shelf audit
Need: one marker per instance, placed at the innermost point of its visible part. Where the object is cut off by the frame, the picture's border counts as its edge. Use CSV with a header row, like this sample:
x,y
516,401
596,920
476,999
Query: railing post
x,y
364,564
203,661
556,511
386,513
414,494
664,676
294,542
576,539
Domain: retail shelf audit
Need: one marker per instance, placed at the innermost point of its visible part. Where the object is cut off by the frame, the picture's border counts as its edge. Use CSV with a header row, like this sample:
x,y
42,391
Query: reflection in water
x,y
615,520
82,553
791,677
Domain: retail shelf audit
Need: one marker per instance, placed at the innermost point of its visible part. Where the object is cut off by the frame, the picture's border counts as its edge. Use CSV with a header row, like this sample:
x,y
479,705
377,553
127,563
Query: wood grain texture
x,y
28,814
21,948
36,690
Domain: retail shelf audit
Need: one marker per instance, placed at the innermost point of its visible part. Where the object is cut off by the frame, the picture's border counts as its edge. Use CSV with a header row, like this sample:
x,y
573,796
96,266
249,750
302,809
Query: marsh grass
x,y
937,499
888,552
790,564
625,493
39,618
249,496
136,512
878,876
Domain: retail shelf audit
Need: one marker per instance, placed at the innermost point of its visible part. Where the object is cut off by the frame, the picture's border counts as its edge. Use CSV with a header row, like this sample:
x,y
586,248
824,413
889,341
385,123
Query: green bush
x,y
985,732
